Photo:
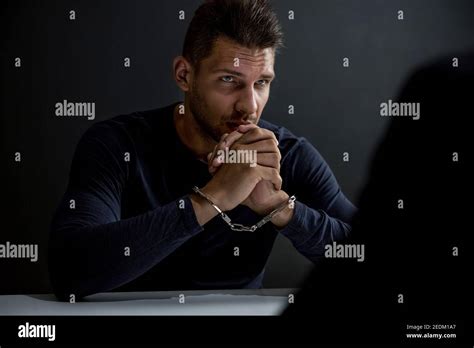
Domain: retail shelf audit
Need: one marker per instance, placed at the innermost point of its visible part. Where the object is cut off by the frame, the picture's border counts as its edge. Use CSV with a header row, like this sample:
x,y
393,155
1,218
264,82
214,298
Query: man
x,y
130,219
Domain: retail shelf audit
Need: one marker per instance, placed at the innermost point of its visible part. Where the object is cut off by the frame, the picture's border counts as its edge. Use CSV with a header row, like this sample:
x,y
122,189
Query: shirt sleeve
x,y
91,248
322,214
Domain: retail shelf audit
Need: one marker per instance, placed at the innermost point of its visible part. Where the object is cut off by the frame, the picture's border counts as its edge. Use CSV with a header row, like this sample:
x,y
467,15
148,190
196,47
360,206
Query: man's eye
x,y
262,83
227,79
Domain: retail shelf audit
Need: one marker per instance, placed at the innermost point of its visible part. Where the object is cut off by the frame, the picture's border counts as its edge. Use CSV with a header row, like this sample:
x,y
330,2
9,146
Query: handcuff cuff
x,y
239,227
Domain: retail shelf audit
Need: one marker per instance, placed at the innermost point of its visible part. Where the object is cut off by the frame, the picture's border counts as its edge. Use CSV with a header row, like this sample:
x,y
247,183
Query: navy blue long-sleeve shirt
x,y
126,221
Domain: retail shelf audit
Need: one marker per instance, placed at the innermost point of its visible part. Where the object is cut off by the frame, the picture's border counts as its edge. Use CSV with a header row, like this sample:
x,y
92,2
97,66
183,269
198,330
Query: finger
x,y
258,134
272,175
226,139
223,136
216,162
209,164
244,128
271,160
213,153
237,134
261,146
217,147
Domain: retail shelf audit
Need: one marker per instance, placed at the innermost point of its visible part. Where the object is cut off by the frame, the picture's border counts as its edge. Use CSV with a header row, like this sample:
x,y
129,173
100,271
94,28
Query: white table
x,y
202,302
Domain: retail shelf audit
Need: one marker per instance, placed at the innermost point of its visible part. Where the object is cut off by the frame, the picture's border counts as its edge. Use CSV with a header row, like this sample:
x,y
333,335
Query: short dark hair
x,y
250,23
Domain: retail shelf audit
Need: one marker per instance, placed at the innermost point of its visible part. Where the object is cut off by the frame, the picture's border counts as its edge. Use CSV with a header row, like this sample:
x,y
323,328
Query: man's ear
x,y
182,73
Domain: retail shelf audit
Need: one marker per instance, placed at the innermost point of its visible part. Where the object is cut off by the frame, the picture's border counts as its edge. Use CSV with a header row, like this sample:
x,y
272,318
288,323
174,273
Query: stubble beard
x,y
200,112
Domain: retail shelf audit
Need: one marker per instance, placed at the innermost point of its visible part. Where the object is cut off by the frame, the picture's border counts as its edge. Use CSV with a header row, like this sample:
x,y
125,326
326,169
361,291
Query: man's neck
x,y
191,134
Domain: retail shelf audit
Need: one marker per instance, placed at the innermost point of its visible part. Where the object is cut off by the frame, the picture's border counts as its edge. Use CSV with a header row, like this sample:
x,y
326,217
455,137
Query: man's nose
x,y
247,104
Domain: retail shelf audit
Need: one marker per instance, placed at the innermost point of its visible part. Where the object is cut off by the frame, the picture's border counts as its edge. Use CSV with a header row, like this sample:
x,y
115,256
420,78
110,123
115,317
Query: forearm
x,y
310,230
94,258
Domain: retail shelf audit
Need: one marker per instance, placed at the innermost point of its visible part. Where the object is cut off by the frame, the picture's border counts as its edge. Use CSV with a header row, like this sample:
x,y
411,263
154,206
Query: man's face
x,y
231,87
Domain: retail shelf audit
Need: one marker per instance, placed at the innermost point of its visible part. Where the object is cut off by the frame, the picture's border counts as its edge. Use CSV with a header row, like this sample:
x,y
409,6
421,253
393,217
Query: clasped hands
x,y
266,193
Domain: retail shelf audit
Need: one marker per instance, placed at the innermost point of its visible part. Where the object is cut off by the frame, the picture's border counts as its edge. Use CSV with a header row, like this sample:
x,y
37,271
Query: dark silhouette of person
x,y
418,256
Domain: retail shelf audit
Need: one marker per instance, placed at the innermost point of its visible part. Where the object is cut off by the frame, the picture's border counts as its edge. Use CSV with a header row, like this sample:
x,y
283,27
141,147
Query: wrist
x,y
202,209
216,196
275,202
283,218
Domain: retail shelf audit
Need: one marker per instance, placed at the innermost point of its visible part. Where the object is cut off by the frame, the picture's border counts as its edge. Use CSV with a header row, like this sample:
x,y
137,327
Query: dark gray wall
x,y
336,108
